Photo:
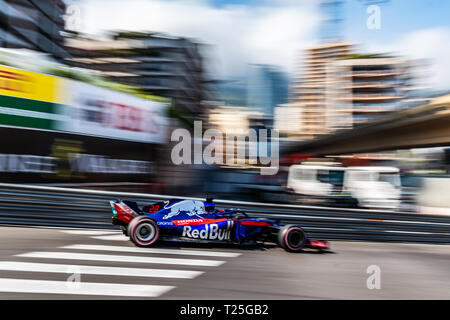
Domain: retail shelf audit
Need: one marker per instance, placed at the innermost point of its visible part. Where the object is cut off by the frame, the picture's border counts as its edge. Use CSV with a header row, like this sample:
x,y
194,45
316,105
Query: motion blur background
x,y
359,90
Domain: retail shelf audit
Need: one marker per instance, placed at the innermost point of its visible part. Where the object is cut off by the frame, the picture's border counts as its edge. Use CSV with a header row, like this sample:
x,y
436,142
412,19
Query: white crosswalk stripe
x,y
115,237
120,258
151,250
97,270
81,288
72,259
92,232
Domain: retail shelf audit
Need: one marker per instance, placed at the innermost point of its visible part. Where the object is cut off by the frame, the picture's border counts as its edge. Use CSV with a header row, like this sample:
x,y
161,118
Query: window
x,y
335,177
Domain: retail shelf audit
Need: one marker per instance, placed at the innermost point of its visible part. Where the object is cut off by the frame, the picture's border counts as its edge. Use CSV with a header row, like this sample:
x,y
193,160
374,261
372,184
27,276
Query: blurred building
x,y
267,87
34,25
231,92
287,119
161,65
309,89
340,89
364,87
235,121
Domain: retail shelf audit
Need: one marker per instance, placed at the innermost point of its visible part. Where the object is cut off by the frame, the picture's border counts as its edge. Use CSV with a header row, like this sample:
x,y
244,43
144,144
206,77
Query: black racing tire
x,y
143,231
291,238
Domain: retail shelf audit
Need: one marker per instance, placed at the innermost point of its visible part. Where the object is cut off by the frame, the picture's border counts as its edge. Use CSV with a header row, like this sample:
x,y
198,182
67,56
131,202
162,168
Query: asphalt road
x,y
47,263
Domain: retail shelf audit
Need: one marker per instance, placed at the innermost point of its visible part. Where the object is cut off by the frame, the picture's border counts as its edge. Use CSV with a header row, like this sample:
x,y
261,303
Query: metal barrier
x,y
65,207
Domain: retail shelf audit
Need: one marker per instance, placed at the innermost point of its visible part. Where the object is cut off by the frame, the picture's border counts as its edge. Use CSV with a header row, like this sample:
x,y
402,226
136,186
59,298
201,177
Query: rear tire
x,y
291,238
143,231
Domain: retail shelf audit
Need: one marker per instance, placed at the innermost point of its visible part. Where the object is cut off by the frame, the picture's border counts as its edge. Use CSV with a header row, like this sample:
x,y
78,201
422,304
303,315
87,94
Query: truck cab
x,y
315,183
374,187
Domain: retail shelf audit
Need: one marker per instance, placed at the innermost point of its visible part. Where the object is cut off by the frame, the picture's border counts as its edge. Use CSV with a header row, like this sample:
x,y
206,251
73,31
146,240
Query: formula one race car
x,y
200,221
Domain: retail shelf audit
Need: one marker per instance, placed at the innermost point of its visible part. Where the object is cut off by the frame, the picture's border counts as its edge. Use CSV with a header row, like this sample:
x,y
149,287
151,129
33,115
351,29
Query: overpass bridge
x,y
422,126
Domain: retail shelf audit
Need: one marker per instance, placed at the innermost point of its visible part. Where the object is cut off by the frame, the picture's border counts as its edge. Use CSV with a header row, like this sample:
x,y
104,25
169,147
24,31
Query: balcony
x,y
374,74
370,98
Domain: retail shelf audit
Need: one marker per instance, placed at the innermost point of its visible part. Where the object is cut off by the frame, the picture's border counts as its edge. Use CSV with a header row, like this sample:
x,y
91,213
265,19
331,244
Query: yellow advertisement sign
x,y
28,85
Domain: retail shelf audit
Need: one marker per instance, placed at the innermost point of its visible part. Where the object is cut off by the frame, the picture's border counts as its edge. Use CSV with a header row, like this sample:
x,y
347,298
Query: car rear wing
x,y
123,211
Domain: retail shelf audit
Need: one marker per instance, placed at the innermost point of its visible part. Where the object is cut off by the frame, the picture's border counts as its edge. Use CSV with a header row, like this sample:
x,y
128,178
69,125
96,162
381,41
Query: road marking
x,y
82,288
152,250
115,237
92,232
119,258
98,270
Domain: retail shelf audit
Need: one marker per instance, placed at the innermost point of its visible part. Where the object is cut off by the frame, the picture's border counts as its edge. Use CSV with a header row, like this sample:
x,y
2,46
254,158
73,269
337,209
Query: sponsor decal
x,y
29,85
26,163
14,82
165,223
104,164
209,232
189,207
188,222
81,163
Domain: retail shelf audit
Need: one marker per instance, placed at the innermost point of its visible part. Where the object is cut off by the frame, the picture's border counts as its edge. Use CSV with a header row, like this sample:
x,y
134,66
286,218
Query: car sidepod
x,y
250,230
206,229
199,229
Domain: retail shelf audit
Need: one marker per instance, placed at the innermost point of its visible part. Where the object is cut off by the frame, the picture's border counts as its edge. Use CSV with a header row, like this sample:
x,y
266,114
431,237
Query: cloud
x,y
272,33
431,45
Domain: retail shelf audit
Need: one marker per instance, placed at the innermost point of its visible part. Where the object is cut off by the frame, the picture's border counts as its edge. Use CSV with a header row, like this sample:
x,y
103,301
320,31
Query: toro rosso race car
x,y
200,221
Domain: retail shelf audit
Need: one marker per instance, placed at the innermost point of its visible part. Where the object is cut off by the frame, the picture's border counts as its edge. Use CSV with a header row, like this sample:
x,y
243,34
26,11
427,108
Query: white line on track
x,y
92,232
152,250
82,288
97,270
120,258
115,237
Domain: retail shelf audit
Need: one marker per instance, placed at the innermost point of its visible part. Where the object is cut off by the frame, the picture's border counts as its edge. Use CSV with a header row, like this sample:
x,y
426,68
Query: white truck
x,y
369,187
374,187
315,183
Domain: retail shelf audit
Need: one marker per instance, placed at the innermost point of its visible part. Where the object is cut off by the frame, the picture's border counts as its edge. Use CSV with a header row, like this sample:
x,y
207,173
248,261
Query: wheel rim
x,y
145,232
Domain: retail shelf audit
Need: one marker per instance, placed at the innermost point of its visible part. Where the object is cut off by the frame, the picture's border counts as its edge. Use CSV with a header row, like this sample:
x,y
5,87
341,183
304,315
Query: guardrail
x,y
66,207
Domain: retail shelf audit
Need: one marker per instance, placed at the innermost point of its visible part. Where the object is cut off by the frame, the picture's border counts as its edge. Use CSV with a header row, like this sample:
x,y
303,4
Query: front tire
x,y
291,238
143,231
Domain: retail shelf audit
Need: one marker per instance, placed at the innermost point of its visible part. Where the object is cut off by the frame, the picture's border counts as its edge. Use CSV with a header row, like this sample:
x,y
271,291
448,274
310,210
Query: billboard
x,y
28,99
106,113
28,85
59,130
39,101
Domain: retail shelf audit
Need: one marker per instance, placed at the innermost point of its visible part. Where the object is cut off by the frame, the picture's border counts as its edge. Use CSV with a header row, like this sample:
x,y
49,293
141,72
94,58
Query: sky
x,y
239,32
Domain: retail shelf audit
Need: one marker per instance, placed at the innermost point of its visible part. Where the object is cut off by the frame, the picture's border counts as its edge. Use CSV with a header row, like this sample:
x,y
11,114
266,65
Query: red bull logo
x,y
209,232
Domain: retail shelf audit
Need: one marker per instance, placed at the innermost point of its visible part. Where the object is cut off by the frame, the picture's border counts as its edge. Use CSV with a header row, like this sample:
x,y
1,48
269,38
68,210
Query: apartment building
x,y
34,25
309,89
364,87
340,89
161,65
